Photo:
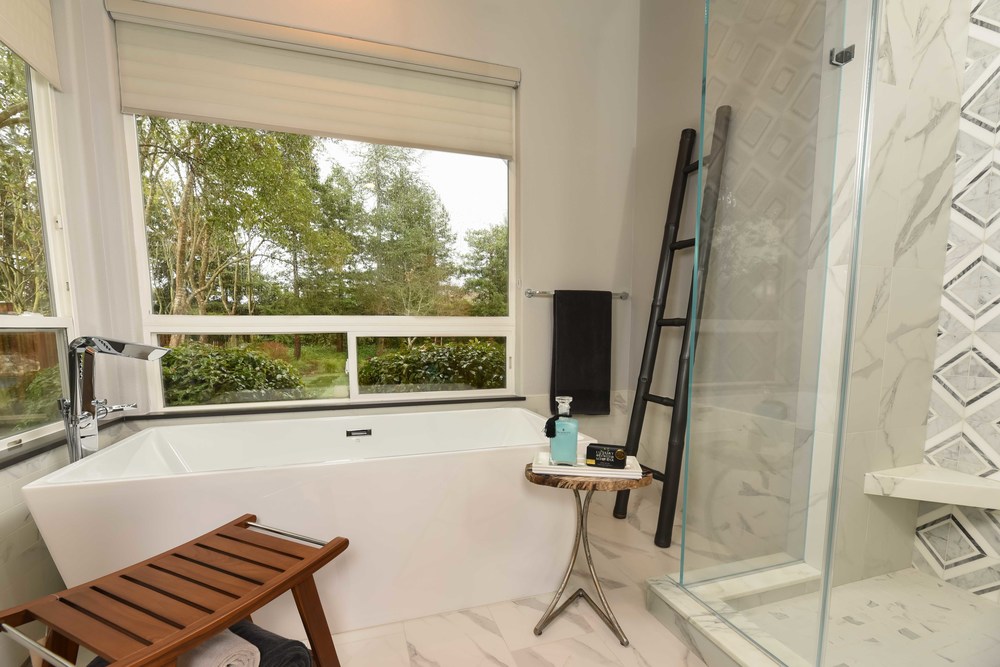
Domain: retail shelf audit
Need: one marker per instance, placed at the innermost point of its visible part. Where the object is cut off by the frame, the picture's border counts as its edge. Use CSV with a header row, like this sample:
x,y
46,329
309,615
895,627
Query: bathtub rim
x,y
46,442
52,479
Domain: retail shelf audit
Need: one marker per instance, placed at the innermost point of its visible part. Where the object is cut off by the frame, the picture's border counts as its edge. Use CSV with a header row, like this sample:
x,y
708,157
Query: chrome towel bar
x,y
532,293
34,647
286,533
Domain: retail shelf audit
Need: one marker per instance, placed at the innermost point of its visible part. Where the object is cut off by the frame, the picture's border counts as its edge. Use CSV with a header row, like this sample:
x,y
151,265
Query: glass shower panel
x,y
759,442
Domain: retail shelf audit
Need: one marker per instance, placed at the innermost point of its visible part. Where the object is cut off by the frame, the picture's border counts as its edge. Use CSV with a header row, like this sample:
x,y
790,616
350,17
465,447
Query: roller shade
x,y
26,29
224,78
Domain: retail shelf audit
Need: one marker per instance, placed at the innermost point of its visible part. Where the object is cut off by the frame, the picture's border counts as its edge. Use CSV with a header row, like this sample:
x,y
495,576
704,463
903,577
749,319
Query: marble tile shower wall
x,y
26,569
961,544
917,92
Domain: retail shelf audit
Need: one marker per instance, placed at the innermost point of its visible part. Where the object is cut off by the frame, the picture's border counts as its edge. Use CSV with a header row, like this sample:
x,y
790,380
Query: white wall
x,y
577,123
671,37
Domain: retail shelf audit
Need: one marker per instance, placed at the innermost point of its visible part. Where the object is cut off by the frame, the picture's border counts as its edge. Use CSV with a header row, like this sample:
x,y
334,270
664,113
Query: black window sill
x,y
224,410
38,446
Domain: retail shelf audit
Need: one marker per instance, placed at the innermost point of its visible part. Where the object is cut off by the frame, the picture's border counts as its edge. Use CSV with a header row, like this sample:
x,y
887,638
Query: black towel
x,y
275,651
581,350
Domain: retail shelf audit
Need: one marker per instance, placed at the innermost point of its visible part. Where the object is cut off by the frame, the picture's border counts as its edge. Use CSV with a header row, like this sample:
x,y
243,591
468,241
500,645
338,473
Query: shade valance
x,y
186,64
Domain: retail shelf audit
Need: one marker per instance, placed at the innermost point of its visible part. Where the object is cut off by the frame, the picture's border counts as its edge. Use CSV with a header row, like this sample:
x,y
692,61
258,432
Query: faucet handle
x,y
102,409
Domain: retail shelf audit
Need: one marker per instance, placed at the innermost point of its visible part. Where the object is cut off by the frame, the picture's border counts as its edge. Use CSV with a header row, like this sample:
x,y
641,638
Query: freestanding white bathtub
x,y
435,505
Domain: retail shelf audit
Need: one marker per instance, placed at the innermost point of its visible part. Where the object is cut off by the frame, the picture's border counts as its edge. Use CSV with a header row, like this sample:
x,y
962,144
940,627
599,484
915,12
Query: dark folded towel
x,y
275,651
581,350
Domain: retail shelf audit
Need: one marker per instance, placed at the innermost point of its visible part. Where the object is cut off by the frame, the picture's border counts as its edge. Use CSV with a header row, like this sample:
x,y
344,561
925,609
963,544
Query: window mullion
x,y
352,366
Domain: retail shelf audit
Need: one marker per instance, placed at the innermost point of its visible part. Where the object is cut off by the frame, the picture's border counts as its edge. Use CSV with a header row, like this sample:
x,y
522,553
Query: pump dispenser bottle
x,y
562,445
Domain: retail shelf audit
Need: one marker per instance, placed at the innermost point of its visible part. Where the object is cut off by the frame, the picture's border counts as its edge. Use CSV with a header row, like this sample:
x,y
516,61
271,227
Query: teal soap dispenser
x,y
563,437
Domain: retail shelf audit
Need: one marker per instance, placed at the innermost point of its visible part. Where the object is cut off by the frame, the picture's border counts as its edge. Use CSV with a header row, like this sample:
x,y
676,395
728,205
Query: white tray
x,y
542,465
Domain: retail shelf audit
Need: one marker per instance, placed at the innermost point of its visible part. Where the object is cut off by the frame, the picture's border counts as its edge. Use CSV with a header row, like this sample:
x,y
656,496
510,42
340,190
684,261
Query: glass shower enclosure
x,y
770,351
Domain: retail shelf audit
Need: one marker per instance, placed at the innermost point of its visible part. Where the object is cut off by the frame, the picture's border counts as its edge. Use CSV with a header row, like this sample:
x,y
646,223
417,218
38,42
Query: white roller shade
x,y
210,77
26,29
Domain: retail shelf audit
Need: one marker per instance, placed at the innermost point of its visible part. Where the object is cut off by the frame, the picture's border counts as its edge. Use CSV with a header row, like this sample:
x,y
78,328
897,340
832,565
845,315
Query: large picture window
x,y
251,222
292,254
32,333
24,279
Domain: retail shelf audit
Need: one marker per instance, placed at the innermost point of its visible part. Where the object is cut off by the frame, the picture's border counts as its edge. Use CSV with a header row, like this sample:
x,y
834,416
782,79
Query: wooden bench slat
x,y
240,568
200,596
173,610
148,614
121,615
279,545
206,576
250,552
102,639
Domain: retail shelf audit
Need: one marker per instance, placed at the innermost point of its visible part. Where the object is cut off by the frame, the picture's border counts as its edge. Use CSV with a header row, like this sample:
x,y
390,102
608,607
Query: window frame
x,y
354,326
51,201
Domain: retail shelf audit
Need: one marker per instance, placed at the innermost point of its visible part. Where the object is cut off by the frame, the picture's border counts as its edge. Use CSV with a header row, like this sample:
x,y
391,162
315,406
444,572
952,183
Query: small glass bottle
x,y
562,447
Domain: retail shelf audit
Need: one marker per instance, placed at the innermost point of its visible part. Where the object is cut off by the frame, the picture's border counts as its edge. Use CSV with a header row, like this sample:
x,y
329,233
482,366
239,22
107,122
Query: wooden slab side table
x,y
588,484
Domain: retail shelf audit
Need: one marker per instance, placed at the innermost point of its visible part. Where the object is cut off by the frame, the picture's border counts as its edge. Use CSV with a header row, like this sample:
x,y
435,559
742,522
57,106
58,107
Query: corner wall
x,y
671,43
577,138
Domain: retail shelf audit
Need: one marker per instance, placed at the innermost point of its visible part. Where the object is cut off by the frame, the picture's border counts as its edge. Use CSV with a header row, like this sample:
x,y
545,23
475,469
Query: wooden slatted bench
x,y
150,613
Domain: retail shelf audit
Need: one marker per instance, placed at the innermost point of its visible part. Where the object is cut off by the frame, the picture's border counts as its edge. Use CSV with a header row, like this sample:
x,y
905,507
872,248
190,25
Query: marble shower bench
x,y
934,484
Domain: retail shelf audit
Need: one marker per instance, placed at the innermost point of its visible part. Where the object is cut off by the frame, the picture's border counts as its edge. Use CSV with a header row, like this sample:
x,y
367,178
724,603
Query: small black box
x,y
606,456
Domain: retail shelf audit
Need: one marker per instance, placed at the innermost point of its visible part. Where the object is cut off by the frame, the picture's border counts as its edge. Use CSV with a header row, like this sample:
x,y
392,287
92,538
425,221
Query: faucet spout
x,y
83,410
119,348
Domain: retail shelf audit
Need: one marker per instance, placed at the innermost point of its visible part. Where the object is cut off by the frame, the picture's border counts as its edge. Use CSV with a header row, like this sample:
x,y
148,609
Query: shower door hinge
x,y
840,57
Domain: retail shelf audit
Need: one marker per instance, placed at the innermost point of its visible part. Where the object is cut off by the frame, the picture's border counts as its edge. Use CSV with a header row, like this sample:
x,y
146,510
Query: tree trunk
x,y
184,226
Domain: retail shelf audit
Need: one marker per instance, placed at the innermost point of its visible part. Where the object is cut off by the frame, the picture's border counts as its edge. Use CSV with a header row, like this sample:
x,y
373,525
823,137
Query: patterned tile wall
x,y
962,544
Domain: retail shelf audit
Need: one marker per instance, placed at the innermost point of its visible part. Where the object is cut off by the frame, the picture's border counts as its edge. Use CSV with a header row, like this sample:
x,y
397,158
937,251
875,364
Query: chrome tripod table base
x,y
588,484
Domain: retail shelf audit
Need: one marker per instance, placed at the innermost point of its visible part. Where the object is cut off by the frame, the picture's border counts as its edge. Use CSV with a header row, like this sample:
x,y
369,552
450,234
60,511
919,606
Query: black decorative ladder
x,y
671,475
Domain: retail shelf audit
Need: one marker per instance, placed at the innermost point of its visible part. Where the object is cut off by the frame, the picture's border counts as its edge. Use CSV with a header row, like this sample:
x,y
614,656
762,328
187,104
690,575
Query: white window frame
x,y
354,326
52,203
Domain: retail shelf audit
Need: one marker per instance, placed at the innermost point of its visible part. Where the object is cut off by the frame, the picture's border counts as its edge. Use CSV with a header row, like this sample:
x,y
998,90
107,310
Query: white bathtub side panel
x,y
428,534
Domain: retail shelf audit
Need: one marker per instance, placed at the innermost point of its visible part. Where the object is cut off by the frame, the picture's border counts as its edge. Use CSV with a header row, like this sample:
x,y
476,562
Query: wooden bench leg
x,y
60,645
314,620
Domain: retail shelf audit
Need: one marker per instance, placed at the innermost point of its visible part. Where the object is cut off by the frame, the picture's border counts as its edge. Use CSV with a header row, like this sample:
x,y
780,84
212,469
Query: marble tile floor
x,y
902,618
501,634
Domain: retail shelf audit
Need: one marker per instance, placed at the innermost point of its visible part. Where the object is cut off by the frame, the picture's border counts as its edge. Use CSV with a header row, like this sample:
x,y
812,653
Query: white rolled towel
x,y
223,650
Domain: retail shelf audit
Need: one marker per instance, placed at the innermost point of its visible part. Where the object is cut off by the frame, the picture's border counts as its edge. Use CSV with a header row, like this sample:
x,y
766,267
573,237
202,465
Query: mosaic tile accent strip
x,y
964,412
961,544
949,543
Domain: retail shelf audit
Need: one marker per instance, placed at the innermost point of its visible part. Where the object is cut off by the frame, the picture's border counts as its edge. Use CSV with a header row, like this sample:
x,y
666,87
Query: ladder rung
x,y
662,400
684,243
672,322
